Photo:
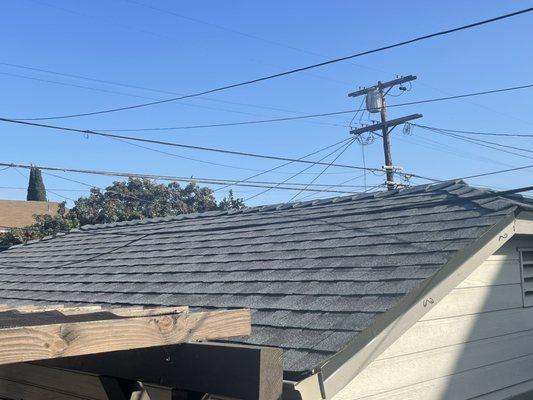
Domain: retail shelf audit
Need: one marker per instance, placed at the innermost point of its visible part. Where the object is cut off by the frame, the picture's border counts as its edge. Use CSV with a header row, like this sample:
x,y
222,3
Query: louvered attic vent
x,y
526,259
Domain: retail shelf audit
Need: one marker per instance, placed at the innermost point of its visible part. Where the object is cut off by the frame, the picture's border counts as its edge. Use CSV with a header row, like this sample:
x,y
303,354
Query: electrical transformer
x,y
374,102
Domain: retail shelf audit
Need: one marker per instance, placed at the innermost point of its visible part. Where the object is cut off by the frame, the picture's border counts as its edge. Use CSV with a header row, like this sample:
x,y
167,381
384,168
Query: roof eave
x,y
339,370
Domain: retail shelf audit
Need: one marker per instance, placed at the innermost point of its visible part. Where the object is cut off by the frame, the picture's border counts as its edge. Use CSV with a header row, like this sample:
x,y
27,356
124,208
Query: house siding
x,y
476,343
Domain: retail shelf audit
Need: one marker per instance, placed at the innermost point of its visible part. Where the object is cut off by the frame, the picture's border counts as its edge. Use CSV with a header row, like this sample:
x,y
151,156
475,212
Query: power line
x,y
284,164
292,71
225,124
209,181
145,97
483,143
477,132
223,28
218,180
245,34
173,144
328,114
97,187
298,173
47,190
502,171
324,169
56,189
365,187
144,88
117,92
487,141
428,143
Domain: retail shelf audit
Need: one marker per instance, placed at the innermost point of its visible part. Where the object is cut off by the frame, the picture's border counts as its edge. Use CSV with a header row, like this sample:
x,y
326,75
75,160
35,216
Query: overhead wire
x,y
528,135
483,143
492,143
98,187
300,117
319,162
289,72
502,171
56,189
425,142
168,153
173,144
144,88
346,147
47,190
284,164
145,97
213,181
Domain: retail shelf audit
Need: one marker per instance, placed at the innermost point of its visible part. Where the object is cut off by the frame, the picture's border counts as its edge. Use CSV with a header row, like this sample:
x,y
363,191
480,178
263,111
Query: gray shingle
x,y
314,274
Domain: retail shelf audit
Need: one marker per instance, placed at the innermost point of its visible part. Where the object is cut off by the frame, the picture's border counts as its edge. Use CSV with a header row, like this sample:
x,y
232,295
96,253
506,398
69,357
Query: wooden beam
x,y
379,126
29,342
242,372
383,85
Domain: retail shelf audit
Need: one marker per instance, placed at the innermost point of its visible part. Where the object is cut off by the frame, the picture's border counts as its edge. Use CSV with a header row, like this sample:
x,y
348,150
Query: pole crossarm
x,y
383,85
392,122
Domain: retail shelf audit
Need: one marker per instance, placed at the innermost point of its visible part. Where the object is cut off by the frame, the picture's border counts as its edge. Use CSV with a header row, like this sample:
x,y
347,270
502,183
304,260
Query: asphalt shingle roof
x,y
314,274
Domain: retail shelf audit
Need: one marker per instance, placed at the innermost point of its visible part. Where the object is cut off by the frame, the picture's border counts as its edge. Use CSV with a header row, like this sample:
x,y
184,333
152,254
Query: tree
x,y
123,201
231,203
36,189
141,198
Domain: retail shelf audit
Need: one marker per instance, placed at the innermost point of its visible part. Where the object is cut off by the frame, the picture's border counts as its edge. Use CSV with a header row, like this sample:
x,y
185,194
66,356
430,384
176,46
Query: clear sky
x,y
192,46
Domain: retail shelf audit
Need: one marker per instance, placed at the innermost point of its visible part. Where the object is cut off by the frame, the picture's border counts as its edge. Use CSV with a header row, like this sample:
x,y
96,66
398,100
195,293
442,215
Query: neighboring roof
x,y
19,213
315,274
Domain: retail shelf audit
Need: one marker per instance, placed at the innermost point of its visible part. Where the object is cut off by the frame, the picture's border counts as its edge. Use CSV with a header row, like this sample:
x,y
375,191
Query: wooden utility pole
x,y
386,140
385,124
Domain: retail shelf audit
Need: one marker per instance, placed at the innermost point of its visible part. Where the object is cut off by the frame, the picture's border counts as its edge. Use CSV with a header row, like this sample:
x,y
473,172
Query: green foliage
x,y
231,203
36,189
141,198
123,201
44,225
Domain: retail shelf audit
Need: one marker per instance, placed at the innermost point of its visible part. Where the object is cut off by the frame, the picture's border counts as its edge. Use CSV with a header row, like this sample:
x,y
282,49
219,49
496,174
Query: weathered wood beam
x,y
242,372
28,342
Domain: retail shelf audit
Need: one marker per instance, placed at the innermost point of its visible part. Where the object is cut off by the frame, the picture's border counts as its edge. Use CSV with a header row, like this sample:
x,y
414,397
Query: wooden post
x,y
385,124
386,140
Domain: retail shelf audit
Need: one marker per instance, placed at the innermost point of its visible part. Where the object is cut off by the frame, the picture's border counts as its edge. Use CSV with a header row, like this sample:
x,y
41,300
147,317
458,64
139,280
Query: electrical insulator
x,y
374,101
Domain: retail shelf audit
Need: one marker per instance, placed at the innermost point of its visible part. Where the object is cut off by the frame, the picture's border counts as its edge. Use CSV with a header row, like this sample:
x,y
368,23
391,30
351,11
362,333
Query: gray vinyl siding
x,y
476,343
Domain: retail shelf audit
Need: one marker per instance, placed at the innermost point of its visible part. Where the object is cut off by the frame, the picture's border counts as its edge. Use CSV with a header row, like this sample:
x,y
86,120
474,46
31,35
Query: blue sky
x,y
124,42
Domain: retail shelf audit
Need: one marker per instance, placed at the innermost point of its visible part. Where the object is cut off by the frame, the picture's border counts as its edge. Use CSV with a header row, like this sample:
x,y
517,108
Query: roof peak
x,y
278,206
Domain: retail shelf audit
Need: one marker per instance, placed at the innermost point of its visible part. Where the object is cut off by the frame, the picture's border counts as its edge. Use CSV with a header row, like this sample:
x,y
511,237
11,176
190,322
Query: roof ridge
x,y
424,188
268,207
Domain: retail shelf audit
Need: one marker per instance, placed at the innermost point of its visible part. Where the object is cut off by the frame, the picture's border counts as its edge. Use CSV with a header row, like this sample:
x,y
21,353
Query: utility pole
x,y
375,101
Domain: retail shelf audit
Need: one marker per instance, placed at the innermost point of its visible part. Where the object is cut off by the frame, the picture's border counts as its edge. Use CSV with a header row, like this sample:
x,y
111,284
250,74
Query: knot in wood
x,y
165,323
56,345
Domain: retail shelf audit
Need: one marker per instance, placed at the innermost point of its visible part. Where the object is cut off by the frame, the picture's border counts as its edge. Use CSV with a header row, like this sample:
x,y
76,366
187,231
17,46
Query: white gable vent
x,y
526,260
